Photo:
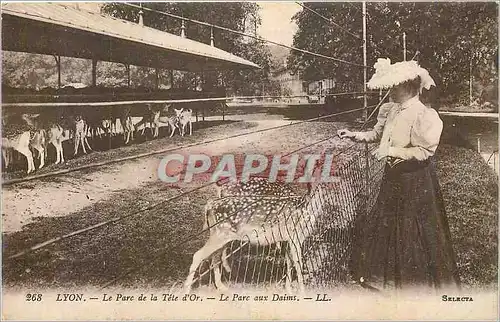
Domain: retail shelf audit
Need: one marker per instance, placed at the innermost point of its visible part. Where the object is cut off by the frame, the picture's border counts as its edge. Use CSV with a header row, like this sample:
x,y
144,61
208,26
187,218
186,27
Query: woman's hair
x,y
412,86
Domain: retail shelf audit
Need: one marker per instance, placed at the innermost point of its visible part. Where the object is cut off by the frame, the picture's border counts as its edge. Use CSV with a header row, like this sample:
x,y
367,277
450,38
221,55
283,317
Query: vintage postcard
x,y
249,160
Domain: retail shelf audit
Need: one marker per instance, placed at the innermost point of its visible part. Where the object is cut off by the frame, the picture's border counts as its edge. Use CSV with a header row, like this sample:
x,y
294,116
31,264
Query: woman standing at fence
x,y
406,238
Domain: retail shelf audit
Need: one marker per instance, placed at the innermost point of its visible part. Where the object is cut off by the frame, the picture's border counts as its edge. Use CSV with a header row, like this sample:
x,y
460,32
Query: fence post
x,y
365,111
470,82
94,72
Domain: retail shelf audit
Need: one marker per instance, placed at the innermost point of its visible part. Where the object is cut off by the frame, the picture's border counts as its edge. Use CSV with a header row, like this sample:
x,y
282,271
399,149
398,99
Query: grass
x,y
470,192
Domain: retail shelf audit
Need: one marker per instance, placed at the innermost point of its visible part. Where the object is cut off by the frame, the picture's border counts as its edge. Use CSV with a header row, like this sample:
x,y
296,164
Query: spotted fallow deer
x,y
261,213
17,135
259,186
80,137
185,117
21,143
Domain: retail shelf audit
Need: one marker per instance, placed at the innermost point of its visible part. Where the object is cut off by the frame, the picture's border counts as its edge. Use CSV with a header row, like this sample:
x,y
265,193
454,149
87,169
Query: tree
x,y
448,36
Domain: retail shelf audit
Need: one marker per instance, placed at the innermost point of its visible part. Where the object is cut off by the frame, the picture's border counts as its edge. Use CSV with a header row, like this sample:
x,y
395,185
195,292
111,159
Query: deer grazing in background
x,y
185,118
171,121
260,213
151,116
99,127
47,131
37,136
55,136
19,142
80,134
128,128
38,142
123,114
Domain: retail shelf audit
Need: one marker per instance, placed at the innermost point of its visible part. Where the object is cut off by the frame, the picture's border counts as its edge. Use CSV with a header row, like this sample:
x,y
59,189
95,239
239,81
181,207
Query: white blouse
x,y
407,131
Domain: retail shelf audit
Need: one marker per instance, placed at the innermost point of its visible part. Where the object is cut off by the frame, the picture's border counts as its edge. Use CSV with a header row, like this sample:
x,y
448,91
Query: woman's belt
x,y
399,165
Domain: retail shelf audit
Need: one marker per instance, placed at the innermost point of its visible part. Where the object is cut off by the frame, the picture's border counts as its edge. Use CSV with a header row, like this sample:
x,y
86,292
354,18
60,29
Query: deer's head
x,y
178,112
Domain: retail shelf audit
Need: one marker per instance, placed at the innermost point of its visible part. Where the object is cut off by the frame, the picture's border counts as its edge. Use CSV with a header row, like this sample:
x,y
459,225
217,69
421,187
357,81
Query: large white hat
x,y
388,75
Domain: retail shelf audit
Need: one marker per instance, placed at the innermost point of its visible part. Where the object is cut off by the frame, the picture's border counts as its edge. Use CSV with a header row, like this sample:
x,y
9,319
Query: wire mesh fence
x,y
280,238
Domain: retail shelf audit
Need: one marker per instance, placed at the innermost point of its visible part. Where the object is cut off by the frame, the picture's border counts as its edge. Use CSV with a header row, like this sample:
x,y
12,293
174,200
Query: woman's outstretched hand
x,y
345,133
379,153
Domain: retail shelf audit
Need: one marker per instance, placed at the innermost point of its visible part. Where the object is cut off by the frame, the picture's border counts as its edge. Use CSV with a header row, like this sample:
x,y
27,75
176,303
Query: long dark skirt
x,y
406,239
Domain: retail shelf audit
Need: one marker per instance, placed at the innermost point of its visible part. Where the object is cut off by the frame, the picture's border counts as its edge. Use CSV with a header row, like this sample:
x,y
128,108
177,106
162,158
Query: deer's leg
x,y
296,257
213,244
76,139
225,263
217,271
288,280
190,128
6,157
58,156
87,142
58,153
41,153
42,157
82,142
29,158
155,128
61,150
141,122
172,128
126,136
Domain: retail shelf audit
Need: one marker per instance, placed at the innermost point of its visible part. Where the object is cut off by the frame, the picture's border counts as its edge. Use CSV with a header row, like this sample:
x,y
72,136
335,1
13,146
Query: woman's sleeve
x,y
425,136
376,133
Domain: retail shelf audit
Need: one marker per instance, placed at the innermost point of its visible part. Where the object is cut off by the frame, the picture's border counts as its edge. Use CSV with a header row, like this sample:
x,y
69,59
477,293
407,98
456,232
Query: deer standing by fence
x,y
259,186
261,214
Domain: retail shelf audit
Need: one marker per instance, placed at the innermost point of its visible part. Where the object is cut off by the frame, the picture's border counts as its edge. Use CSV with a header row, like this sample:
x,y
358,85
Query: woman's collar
x,y
410,102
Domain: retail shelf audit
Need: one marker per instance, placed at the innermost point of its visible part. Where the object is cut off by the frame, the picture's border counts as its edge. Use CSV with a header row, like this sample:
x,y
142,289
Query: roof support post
x,y
127,68
141,16
171,78
202,80
183,29
94,72
157,78
58,64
